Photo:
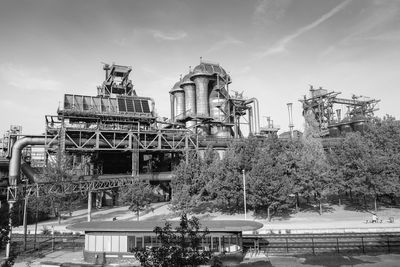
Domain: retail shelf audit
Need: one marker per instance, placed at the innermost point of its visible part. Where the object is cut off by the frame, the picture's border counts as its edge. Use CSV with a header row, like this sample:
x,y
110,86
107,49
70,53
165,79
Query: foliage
x,y
365,165
58,171
313,173
179,247
191,181
4,224
138,196
270,179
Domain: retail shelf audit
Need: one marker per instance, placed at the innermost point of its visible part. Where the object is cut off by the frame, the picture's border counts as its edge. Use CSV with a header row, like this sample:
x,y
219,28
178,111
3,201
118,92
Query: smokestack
x,y
289,105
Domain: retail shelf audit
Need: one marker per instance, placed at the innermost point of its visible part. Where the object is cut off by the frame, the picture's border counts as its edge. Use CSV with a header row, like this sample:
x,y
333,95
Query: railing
x,y
328,243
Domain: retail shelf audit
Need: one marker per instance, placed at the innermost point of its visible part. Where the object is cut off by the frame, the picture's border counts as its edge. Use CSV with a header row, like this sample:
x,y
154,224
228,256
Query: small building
x,y
111,241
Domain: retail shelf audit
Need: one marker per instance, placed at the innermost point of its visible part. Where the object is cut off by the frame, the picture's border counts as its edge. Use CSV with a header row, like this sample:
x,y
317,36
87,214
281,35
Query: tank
x,y
359,126
220,131
203,74
334,131
345,128
217,106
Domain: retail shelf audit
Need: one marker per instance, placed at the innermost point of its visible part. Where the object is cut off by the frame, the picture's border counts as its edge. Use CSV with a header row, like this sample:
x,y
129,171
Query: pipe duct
x,y
256,112
29,172
15,161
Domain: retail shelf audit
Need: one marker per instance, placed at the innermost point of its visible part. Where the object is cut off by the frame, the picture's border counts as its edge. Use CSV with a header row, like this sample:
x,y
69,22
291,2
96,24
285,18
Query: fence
x,y
47,243
316,244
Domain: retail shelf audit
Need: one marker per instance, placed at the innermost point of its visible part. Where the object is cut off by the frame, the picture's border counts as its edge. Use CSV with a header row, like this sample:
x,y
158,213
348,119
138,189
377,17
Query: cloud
x,y
269,11
281,45
28,79
227,41
374,23
168,36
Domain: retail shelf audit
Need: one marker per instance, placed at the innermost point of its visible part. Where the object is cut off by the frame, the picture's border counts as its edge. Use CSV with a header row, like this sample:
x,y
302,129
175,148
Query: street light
x,y
244,193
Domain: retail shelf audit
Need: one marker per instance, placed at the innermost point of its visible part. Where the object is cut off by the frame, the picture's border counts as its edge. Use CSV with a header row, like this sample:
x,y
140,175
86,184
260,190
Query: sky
x,y
273,50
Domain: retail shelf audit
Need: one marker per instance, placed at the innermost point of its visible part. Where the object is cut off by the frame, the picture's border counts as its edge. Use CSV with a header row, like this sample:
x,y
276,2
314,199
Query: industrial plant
x,y
115,136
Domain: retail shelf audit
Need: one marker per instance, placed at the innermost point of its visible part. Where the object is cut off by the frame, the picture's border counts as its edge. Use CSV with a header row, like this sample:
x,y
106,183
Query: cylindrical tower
x,y
179,96
189,88
202,107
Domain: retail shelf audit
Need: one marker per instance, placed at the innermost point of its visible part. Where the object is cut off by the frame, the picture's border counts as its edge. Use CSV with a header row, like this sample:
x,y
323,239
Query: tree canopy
x,y
280,173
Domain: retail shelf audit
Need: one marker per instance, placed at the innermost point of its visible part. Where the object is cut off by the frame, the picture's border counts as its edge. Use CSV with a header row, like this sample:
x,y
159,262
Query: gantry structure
x,y
332,120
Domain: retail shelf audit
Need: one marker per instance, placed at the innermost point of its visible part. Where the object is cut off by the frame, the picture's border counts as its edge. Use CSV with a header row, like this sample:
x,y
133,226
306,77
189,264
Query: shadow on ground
x,y
335,261
259,263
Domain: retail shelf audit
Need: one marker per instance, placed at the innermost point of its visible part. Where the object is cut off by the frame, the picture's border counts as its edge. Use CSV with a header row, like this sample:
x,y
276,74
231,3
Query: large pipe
x,y
29,172
15,161
256,114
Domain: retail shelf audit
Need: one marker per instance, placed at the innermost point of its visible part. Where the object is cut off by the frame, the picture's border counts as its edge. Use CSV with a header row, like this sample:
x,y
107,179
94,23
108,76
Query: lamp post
x,y
289,105
244,193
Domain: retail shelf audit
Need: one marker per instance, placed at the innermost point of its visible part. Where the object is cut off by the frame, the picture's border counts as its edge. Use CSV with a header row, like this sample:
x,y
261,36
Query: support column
x,y
135,163
8,246
25,220
89,215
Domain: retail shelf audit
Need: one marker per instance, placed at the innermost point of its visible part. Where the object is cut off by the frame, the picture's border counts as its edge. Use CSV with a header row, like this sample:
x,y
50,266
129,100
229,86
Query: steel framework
x,y
69,187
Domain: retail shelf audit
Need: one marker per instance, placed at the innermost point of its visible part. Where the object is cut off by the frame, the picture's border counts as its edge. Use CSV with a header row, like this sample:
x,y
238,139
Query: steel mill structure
x,y
115,137
336,116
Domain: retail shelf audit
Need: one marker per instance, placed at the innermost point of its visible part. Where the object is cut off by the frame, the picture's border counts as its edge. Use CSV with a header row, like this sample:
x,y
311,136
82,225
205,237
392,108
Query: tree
x,y
180,247
138,196
190,185
59,171
269,180
4,231
313,174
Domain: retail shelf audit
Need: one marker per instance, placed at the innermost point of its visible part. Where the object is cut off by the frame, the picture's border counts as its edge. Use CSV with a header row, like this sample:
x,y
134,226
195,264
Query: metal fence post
x,y
337,243
52,238
362,245
313,249
388,243
287,245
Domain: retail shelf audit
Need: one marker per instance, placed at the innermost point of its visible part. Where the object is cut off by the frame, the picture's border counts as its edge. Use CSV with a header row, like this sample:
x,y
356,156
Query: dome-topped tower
x,y
177,101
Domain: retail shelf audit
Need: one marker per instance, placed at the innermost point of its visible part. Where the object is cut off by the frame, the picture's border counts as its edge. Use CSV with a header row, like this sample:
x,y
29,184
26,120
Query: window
x,y
215,243
139,242
114,243
107,243
155,242
131,243
92,243
99,243
147,241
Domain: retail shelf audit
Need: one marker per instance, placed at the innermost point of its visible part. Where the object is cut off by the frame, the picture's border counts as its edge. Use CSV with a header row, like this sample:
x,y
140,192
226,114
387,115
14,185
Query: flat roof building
x,y
112,241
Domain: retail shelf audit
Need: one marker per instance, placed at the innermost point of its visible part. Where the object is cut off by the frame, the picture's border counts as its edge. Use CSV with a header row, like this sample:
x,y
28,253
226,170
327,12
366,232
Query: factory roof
x,y
148,226
186,79
176,87
206,68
